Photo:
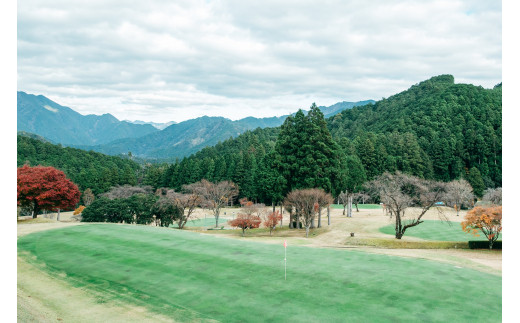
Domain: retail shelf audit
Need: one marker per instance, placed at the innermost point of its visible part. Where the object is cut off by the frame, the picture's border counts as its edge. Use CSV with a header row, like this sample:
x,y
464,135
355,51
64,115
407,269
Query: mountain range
x,y
106,134
42,116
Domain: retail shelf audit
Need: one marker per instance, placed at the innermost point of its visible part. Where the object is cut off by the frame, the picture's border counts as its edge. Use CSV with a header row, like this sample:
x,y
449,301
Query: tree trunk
x,y
274,207
328,214
281,213
357,209
291,220
398,227
349,206
319,218
312,223
216,218
58,218
306,231
344,207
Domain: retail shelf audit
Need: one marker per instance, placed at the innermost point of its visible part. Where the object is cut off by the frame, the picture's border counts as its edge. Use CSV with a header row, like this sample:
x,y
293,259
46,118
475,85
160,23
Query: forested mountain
x,y
436,130
87,169
106,134
340,106
187,137
41,116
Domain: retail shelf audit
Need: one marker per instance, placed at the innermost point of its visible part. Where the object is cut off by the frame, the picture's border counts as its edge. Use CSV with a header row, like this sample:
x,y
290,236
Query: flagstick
x,y
285,261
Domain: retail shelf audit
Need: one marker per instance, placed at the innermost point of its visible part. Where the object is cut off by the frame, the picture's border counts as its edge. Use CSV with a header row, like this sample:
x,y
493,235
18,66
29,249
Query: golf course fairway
x,y
195,277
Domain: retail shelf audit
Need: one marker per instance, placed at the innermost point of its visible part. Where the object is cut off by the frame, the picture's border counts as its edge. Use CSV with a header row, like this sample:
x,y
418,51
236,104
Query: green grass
x,y
208,222
191,276
436,230
360,206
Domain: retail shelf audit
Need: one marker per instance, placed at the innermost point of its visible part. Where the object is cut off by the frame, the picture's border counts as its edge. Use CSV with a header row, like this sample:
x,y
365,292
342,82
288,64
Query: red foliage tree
x,y
272,220
245,221
45,188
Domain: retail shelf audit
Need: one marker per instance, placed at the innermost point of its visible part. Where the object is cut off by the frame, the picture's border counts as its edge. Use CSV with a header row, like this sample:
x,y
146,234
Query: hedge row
x,y
484,244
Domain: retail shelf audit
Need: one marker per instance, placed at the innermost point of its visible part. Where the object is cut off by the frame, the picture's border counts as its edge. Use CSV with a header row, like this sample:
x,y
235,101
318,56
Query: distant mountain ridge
x,y
106,134
60,124
188,137
157,125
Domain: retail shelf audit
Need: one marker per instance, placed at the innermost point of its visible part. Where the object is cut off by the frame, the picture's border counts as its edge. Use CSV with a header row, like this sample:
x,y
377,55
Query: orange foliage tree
x,y
486,219
79,210
272,220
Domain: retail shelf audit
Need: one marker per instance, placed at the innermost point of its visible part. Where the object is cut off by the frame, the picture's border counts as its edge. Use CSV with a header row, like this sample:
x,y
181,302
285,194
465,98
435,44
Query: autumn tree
x,y
306,203
493,196
245,221
401,191
78,210
45,188
486,219
214,195
459,193
88,197
272,220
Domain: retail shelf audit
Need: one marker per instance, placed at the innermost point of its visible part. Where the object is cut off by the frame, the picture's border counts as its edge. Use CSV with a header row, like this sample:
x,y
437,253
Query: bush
x,y
79,210
484,245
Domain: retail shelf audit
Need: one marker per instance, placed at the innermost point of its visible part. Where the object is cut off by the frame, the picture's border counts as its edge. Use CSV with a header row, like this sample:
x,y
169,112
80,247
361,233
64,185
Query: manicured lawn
x,y
436,230
360,206
208,222
191,276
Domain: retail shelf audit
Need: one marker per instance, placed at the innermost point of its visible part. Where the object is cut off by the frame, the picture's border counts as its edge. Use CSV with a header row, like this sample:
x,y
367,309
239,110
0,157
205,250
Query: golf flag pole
x,y
285,259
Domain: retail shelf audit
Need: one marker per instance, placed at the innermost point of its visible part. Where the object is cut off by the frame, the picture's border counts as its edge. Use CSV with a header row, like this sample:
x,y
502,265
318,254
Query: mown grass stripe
x,y
188,275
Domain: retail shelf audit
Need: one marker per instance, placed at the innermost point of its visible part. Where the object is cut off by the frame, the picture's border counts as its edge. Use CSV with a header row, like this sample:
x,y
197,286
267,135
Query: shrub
x,y
484,245
79,210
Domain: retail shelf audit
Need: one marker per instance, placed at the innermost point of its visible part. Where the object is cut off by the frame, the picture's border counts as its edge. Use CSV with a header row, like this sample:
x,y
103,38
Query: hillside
x,y
44,117
87,169
436,129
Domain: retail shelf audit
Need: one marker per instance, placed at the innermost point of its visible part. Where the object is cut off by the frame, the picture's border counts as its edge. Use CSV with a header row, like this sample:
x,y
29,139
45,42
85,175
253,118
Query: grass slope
x,y
189,276
436,230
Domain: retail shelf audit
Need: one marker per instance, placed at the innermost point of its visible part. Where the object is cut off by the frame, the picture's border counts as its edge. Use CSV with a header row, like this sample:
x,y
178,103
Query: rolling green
x,y
191,276
436,230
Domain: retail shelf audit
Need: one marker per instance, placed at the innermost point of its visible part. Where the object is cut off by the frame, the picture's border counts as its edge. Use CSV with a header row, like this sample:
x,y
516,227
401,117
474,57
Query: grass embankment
x,y
189,276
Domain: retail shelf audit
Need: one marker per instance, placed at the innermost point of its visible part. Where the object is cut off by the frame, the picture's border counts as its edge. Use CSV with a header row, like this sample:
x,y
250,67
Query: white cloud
x,y
161,61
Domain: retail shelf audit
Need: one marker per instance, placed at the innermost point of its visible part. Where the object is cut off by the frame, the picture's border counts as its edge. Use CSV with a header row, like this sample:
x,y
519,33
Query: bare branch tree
x,y
493,196
306,203
359,197
88,197
400,191
343,198
459,193
125,191
214,195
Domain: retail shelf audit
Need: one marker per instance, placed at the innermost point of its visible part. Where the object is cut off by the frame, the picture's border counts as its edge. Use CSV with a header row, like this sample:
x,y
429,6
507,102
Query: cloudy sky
x,y
177,60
